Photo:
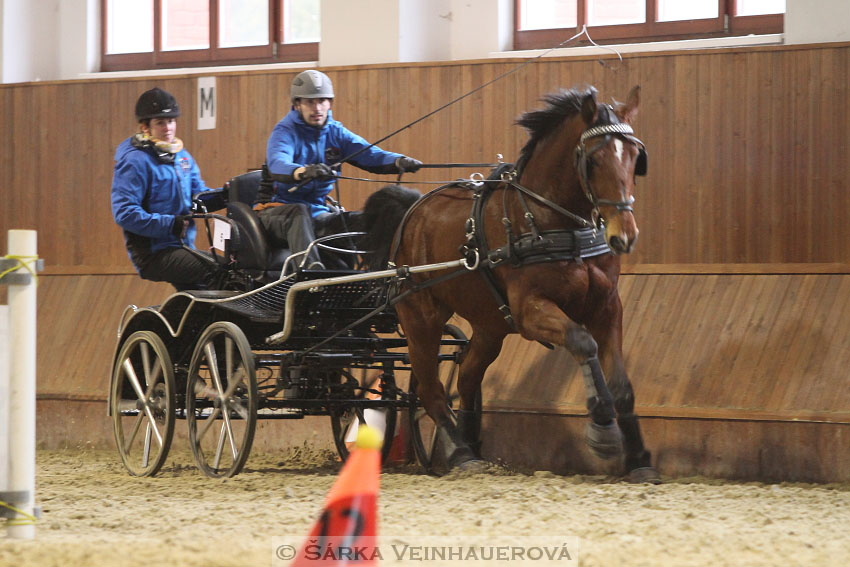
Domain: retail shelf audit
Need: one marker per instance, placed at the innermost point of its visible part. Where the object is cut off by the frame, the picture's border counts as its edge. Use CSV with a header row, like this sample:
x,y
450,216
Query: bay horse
x,y
542,244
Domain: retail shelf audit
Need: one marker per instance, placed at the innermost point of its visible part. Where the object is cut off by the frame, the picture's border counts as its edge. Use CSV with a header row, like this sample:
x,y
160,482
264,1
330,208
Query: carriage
x,y
273,340
304,343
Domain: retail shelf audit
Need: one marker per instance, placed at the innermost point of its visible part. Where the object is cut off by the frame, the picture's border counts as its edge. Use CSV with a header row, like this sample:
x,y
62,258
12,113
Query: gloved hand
x,y
180,225
313,171
405,164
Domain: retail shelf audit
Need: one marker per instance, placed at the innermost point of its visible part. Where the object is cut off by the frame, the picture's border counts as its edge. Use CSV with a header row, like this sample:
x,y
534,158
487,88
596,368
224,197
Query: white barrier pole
x,y
22,321
4,401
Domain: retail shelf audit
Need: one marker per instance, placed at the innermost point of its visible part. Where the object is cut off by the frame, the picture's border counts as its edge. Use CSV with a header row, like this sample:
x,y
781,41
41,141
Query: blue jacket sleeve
x,y
129,189
280,151
373,159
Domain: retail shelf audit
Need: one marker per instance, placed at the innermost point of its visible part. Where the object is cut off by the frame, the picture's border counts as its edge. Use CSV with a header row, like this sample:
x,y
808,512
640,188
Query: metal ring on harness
x,y
477,179
474,266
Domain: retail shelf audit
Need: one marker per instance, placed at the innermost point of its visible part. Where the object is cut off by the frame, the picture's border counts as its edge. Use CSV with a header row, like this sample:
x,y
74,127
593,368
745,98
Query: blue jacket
x,y
148,194
294,143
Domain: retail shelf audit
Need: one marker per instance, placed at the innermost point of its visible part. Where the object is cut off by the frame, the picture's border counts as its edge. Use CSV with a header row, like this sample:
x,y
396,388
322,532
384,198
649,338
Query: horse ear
x,y
629,110
588,107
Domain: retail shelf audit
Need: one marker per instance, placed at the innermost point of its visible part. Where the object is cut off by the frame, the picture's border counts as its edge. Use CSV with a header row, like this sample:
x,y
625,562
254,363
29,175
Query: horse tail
x,y
382,214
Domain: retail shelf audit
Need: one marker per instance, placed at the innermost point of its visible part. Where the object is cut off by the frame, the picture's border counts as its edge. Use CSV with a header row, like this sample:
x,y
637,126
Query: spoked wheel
x,y
347,420
142,403
221,400
426,443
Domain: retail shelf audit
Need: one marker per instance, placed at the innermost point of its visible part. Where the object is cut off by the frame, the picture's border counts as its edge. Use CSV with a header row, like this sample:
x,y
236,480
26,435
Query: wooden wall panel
x,y
747,146
714,346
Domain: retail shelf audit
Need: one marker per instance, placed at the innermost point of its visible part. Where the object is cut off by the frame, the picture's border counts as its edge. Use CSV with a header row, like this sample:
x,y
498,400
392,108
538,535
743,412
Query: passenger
x,y
303,155
153,185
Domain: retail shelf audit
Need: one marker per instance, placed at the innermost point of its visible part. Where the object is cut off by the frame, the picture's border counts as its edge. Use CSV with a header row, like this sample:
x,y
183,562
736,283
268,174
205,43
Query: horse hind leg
x,y
424,334
484,348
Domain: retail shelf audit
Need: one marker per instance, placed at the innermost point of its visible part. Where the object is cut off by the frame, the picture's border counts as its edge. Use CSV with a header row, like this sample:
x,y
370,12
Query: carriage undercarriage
x,y
220,361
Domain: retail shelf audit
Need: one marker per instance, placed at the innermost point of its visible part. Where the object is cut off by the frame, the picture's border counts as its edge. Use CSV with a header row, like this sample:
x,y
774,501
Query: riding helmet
x,y
311,84
156,103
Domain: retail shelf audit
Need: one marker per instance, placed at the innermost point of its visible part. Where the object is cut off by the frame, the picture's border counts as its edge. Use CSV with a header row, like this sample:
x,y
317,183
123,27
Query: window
x,y
545,23
155,34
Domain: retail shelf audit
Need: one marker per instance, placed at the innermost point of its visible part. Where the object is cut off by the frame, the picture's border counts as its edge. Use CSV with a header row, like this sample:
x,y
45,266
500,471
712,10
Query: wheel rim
x,y
345,421
221,400
142,403
423,430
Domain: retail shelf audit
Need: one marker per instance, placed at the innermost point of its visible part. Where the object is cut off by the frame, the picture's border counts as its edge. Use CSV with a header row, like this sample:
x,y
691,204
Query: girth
x,y
551,246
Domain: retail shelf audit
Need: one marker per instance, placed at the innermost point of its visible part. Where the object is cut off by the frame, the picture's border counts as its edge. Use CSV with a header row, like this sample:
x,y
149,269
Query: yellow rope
x,y
26,262
28,519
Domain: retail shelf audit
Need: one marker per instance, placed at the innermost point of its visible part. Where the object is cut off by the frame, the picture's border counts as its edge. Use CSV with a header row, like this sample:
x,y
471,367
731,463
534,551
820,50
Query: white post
x,y
22,320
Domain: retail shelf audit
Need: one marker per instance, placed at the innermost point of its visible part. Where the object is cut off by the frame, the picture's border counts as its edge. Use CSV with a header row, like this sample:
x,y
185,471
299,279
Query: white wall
x,y
60,39
79,37
29,42
359,32
480,27
817,21
424,30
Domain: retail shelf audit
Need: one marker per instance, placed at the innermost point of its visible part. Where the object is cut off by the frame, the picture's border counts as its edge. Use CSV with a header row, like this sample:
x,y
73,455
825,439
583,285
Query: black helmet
x,y
156,103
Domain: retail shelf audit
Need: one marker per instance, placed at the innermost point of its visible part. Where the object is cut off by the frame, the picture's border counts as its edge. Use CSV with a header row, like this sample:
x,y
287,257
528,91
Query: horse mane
x,y
541,123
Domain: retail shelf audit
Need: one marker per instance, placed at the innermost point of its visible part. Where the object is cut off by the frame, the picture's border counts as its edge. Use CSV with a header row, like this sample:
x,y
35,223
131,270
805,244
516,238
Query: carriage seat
x,y
255,256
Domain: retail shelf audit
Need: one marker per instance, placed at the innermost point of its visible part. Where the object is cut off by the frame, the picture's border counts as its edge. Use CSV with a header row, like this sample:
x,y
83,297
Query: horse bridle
x,y
583,155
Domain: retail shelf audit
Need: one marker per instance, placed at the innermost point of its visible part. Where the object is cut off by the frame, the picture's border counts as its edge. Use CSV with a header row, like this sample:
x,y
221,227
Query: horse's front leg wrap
x,y
603,436
470,429
600,403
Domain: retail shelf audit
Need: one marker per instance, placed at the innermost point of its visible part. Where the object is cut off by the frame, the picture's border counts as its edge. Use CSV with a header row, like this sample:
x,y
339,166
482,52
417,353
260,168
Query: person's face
x,y
314,111
163,129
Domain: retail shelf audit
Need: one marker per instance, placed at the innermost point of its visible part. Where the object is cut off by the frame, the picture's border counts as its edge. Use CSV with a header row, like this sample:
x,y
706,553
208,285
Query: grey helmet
x,y
311,84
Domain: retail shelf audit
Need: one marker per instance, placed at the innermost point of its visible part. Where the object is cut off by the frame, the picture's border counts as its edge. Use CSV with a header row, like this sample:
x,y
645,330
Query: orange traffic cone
x,y
346,532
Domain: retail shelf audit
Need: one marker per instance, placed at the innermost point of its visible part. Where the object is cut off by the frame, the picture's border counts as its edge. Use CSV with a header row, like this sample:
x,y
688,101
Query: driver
x,y
303,155
153,185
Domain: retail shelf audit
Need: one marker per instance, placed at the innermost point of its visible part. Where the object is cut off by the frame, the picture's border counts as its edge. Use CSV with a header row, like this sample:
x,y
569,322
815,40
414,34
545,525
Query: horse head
x,y
607,159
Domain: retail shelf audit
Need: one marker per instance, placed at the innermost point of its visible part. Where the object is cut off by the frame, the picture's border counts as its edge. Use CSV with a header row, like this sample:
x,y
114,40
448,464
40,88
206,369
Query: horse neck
x,y
551,173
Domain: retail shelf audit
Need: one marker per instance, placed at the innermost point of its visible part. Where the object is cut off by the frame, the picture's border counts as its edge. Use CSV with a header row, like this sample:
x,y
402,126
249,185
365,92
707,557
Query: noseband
x,y
583,155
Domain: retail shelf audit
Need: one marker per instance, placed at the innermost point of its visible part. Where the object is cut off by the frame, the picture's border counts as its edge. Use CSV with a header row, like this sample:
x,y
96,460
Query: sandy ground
x,y
96,515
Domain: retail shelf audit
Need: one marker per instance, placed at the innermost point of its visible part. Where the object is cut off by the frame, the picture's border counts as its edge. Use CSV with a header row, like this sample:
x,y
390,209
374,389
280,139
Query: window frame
x,y
650,31
275,51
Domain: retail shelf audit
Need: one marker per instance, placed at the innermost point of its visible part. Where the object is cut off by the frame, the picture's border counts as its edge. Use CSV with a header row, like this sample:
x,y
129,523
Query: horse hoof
x,y
606,441
461,456
474,466
644,475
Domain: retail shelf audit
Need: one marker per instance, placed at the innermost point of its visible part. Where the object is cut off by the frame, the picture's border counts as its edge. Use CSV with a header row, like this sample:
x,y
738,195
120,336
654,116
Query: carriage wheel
x,y
423,430
346,420
221,400
142,403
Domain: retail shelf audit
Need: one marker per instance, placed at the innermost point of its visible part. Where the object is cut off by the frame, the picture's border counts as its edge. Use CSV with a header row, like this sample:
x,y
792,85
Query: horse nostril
x,y
617,244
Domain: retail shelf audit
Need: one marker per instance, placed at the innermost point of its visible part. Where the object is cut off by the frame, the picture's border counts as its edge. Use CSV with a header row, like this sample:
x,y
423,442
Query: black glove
x,y
315,170
405,164
181,223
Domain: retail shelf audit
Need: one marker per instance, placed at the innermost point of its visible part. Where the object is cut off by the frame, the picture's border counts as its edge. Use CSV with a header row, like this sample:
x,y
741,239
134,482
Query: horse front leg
x,y
609,336
542,320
